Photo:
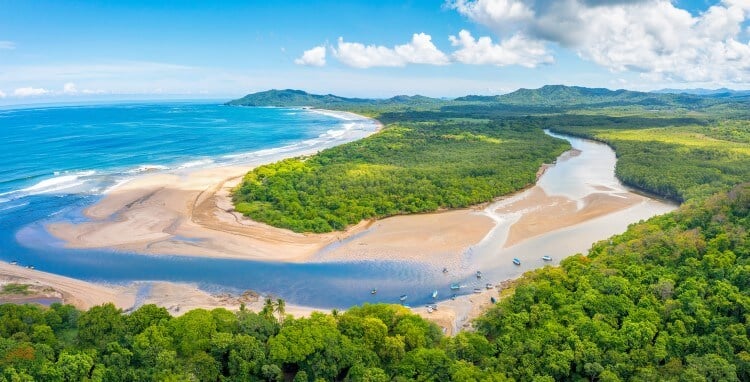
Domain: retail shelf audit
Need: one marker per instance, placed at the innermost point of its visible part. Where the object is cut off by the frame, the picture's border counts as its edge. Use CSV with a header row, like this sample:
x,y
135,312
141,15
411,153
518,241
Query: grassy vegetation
x,y
411,166
14,288
678,162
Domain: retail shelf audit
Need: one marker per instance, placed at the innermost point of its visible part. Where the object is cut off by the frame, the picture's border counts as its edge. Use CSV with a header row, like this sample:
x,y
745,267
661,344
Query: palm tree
x,y
280,308
268,308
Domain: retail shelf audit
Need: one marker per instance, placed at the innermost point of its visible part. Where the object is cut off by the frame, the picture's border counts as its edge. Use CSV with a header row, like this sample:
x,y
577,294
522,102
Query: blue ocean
x,y
57,160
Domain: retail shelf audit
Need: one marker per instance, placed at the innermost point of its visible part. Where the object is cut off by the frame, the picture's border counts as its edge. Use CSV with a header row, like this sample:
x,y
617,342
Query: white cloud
x,y
516,50
70,88
7,45
30,92
420,50
652,37
313,57
2,94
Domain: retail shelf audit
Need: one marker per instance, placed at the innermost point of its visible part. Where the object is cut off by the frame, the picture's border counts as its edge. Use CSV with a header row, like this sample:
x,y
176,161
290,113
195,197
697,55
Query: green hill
x,y
299,98
561,95
290,97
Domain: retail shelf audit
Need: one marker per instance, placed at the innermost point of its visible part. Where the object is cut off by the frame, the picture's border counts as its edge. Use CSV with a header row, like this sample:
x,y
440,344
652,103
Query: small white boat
x,y
455,286
434,293
547,258
429,309
488,286
373,291
403,297
14,262
479,274
477,290
516,261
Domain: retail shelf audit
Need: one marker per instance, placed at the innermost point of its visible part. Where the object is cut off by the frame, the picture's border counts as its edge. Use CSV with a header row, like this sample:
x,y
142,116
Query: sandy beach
x,y
155,214
177,298
191,214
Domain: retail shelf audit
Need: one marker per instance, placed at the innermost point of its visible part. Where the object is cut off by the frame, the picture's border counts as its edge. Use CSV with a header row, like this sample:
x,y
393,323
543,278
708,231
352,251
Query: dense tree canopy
x,y
678,162
407,168
668,300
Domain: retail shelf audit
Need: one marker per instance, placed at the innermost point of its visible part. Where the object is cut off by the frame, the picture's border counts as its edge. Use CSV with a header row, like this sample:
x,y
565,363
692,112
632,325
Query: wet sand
x,y
81,294
177,298
192,214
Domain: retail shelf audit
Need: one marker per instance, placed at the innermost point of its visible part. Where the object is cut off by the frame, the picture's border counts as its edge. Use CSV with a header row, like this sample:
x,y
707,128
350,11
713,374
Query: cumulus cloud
x,y
7,45
313,57
70,88
30,92
653,37
516,50
420,50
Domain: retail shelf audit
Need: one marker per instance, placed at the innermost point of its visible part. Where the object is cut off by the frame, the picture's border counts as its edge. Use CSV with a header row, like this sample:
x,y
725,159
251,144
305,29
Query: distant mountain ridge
x,y
549,96
291,97
561,95
704,92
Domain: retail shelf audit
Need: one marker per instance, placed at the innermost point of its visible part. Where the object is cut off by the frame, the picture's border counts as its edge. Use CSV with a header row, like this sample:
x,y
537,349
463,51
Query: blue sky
x,y
68,50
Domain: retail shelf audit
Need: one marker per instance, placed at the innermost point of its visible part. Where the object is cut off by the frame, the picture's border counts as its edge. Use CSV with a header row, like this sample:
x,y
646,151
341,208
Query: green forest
x,y
665,301
409,167
679,162
435,154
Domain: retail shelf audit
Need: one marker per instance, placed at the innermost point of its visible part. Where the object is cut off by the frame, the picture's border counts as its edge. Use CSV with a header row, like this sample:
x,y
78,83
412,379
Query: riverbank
x,y
178,298
192,214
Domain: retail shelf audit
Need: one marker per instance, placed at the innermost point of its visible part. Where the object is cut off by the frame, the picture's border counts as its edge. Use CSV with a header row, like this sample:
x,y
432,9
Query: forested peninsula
x,y
668,300
435,153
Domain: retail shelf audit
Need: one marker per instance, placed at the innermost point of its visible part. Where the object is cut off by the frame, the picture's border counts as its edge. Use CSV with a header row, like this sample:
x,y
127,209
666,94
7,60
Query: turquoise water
x,y
85,149
56,161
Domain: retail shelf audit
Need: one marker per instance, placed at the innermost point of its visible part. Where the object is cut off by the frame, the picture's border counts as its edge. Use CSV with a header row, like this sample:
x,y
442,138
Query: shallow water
x,y
574,177
29,203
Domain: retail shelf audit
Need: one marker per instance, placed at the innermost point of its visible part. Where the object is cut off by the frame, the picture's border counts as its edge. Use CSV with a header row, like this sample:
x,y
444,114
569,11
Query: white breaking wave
x,y
61,183
94,182
58,183
147,168
196,163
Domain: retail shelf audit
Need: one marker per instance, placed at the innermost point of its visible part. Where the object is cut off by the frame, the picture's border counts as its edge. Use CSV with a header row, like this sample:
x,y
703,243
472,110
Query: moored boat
x,y
373,291
455,286
488,286
477,290
434,293
516,261
403,297
547,258
479,274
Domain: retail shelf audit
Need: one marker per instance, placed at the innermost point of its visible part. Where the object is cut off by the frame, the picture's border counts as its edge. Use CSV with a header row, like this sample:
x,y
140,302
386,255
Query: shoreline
x,y
453,315
192,214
